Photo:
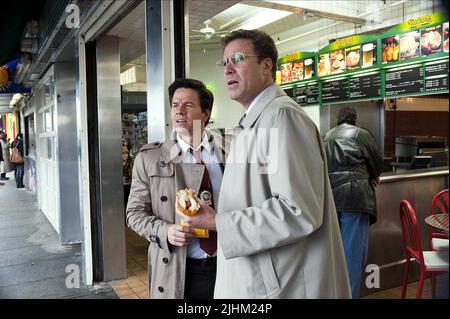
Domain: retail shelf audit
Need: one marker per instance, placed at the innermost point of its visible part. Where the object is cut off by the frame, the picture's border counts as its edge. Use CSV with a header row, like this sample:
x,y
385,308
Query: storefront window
x,y
47,93
48,121
30,136
49,148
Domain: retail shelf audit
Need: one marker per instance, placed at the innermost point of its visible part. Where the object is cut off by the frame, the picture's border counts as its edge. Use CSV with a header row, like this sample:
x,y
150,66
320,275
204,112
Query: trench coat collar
x,y
171,151
271,92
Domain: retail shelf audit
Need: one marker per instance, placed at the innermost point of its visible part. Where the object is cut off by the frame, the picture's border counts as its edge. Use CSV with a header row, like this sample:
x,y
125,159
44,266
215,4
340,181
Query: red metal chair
x,y
439,205
429,261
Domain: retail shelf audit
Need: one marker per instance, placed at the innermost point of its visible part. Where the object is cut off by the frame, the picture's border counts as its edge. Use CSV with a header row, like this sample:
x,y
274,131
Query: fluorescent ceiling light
x,y
249,17
265,17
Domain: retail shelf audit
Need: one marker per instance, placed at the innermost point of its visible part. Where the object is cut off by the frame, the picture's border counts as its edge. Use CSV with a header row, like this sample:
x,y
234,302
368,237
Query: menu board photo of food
x,y
337,61
297,71
391,50
278,77
445,29
431,40
309,68
286,72
369,55
353,58
324,66
409,45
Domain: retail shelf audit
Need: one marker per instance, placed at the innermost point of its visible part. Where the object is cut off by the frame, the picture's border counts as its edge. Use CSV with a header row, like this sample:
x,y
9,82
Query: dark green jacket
x,y
353,161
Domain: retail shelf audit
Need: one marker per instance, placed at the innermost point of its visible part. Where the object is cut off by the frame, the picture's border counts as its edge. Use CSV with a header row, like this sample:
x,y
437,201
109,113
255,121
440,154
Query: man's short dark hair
x,y
263,45
347,115
205,96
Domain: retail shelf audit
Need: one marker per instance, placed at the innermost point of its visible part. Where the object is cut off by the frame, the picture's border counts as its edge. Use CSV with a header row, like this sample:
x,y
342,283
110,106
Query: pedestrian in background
x,y
5,165
354,166
17,160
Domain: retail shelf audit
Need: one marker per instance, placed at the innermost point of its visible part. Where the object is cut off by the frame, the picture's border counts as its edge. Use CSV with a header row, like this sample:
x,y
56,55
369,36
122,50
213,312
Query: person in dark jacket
x,y
18,167
354,166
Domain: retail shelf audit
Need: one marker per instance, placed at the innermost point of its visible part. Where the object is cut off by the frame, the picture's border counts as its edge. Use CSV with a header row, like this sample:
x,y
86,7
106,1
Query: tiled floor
x,y
395,293
136,285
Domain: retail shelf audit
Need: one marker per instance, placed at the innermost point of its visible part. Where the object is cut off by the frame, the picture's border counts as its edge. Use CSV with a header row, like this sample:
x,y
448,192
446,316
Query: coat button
x,y
154,239
162,164
156,144
164,198
160,289
165,260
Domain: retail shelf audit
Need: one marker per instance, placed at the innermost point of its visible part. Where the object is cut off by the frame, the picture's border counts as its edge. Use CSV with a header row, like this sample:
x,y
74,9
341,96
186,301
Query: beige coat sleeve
x,y
140,217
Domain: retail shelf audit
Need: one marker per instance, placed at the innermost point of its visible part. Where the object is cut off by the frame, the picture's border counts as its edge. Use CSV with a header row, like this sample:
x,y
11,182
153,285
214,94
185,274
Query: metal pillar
x,y
65,85
110,192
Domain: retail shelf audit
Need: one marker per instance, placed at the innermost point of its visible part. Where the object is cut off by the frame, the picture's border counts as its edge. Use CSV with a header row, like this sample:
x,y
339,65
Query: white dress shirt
x,y
255,100
212,164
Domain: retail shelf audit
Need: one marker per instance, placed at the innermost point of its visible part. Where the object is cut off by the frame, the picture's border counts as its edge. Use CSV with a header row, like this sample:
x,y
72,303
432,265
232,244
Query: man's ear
x,y
268,65
207,115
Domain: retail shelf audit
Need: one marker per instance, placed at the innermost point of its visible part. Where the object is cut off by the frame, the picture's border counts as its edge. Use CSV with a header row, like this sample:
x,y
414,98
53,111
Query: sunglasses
x,y
234,58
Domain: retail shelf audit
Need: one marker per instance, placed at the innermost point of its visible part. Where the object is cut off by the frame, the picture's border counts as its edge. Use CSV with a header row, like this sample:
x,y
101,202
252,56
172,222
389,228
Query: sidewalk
x,y
32,261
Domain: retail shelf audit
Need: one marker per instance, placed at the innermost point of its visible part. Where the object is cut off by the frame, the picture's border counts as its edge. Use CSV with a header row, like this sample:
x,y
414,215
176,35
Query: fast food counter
x,y
385,236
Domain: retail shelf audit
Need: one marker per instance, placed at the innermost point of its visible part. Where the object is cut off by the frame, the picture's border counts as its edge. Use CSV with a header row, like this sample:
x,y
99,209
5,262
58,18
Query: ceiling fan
x,y
207,32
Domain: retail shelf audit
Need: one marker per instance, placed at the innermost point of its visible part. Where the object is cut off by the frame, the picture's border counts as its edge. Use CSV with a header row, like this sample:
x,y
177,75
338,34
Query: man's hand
x,y
375,182
180,236
205,218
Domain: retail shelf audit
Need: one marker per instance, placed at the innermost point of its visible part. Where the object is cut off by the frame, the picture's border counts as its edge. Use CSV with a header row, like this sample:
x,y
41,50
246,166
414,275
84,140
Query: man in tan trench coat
x,y
278,233
178,266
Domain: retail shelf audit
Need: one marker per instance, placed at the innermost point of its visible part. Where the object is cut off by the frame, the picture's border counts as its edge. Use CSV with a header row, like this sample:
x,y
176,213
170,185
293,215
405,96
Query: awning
x,y
15,14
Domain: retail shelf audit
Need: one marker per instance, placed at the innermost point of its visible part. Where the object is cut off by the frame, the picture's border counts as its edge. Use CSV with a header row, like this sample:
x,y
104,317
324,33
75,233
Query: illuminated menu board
x,y
409,59
436,69
335,90
365,86
296,67
307,94
438,84
289,92
404,81
436,76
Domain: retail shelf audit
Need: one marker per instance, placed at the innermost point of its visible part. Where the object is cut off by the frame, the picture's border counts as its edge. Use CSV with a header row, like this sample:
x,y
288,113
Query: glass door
x,y
48,190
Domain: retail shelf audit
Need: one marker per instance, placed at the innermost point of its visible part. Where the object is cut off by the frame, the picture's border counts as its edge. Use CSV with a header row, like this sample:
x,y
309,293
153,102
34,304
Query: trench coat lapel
x,y
264,100
186,175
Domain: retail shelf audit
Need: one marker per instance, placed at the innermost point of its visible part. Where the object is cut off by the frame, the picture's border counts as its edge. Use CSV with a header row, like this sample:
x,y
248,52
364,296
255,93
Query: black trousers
x,y
18,174
200,278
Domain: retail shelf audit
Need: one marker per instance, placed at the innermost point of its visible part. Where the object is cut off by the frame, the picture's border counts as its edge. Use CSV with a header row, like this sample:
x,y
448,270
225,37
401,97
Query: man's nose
x,y
180,109
228,69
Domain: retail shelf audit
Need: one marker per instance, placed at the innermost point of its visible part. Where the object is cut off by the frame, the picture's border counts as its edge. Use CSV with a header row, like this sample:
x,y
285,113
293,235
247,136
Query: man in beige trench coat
x,y
278,233
177,264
